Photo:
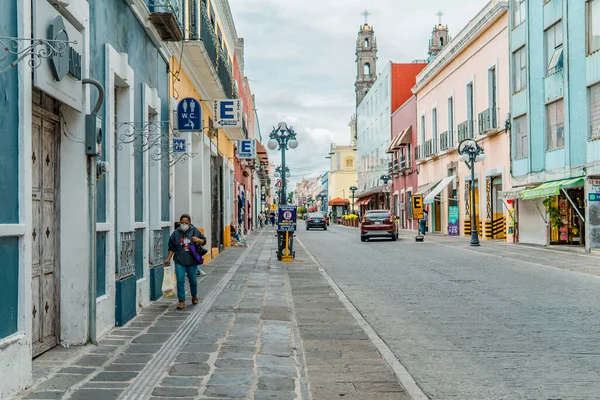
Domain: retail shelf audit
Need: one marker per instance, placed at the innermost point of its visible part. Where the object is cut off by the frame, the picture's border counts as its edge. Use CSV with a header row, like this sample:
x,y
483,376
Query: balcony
x,y
444,141
465,130
428,148
420,152
487,121
403,163
167,18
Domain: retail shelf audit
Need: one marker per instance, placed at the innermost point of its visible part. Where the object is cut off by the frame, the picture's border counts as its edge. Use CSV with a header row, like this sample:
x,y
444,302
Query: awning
x,y
403,138
339,202
425,189
364,201
511,194
435,192
551,188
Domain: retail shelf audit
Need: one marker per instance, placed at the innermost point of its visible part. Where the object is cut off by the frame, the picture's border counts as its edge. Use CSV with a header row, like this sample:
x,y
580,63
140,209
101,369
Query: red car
x,y
378,223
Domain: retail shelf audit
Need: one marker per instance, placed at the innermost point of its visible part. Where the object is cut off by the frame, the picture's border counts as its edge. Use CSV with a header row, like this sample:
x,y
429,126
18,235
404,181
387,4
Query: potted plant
x,y
553,211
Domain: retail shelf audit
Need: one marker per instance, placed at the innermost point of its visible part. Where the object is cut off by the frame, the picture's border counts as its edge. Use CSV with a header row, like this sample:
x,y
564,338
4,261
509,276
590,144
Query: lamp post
x,y
386,178
278,172
284,138
322,197
353,189
470,153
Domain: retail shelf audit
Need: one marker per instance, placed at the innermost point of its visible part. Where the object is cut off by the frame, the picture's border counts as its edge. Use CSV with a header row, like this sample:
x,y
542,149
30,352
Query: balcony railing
x,y
403,163
167,18
420,152
428,148
216,54
126,265
487,120
465,130
444,142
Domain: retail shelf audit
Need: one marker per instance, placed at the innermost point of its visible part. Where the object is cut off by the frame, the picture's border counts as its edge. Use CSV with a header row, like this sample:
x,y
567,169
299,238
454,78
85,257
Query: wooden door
x,y
45,232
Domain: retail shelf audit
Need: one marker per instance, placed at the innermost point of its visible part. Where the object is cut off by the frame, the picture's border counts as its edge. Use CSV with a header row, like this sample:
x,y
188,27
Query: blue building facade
x,y
555,151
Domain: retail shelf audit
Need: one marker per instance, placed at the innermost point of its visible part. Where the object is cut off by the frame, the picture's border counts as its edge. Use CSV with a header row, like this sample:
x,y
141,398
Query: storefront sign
x,y
287,218
60,75
453,214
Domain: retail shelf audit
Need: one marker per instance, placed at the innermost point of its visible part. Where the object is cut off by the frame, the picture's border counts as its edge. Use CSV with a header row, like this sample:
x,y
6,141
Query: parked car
x,y
378,223
316,220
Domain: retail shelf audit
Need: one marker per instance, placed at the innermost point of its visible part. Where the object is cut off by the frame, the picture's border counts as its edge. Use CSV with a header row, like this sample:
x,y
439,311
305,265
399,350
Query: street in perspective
x,y
300,200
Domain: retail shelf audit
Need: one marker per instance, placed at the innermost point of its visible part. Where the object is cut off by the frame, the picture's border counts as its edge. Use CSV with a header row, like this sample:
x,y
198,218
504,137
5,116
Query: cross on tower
x,y
366,15
440,14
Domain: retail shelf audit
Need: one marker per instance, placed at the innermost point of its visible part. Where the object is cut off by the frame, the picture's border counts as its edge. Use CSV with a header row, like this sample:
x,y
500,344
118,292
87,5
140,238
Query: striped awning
x,y
511,194
551,188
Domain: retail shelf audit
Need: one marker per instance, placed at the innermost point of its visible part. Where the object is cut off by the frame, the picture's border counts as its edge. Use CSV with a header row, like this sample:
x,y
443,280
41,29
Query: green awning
x,y
551,188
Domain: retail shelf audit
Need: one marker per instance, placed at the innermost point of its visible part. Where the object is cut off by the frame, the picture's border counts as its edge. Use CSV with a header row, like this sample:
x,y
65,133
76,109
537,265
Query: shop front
x,y
563,210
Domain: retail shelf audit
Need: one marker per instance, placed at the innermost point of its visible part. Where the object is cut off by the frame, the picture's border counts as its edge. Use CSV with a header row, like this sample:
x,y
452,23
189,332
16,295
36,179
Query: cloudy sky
x,y
300,59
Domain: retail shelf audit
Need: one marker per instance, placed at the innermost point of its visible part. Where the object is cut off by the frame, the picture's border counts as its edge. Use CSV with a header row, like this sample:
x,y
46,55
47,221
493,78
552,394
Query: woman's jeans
x,y
422,226
181,271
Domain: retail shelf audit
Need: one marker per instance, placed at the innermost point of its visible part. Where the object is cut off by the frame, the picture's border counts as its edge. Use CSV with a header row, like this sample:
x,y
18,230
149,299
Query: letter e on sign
x,y
226,111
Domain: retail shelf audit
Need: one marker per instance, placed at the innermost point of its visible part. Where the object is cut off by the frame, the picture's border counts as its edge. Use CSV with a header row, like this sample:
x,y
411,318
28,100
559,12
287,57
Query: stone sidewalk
x,y
262,330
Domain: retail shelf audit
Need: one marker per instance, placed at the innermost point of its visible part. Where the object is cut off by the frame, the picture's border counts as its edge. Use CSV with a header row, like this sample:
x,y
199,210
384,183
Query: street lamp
x,y
284,138
322,197
353,189
470,153
278,172
386,178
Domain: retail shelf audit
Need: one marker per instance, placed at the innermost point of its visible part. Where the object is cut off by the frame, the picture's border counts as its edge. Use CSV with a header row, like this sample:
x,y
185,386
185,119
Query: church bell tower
x,y
366,59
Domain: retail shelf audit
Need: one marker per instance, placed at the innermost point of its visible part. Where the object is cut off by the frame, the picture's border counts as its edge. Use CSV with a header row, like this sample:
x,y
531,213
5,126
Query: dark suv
x,y
316,220
378,223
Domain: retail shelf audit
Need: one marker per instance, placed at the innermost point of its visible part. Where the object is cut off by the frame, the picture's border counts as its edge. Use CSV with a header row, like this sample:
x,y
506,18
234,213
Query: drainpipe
x,y
92,177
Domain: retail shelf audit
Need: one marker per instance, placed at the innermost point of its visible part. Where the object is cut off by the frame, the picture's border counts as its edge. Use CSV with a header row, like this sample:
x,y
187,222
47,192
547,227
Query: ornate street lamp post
x,y
353,189
322,197
470,153
284,138
386,178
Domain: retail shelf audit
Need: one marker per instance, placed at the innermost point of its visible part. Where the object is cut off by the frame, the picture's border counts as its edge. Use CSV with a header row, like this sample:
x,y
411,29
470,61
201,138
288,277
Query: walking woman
x,y
181,239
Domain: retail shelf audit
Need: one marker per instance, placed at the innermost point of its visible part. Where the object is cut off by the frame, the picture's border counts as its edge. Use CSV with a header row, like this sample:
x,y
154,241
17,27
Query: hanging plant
x,y
553,213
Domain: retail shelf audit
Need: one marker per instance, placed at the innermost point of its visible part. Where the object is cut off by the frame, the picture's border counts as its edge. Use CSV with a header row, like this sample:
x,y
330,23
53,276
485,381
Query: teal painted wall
x,y
100,264
156,281
9,121
9,276
125,304
139,253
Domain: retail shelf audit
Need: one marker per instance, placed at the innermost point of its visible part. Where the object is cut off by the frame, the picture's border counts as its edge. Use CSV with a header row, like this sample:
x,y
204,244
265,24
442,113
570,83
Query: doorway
x,y
45,278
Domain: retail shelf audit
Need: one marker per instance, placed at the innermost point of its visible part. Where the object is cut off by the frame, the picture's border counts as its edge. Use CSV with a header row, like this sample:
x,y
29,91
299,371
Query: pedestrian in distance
x,y
423,223
199,272
272,218
181,239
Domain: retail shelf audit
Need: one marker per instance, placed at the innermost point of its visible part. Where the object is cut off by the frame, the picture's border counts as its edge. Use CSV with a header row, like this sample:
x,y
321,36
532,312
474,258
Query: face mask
x,y
184,227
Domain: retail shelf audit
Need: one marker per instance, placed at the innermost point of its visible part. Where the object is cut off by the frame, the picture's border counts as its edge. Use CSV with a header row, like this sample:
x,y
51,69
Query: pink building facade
x,y
464,94
404,165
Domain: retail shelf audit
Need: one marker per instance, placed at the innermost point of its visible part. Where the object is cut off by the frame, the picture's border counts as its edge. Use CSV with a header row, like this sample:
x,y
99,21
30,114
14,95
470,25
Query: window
x,y
434,130
470,104
519,12
492,89
593,26
521,136
349,162
451,122
520,70
555,128
367,69
554,48
594,107
367,43
422,130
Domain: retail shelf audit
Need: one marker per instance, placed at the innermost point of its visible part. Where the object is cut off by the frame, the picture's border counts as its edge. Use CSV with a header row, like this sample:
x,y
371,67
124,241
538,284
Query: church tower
x,y
439,38
366,60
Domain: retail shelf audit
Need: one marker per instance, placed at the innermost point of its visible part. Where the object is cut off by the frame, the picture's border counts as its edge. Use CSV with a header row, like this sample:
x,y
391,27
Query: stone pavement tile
x,y
105,385
46,395
91,361
353,377
276,383
189,370
378,387
234,364
161,330
77,370
263,360
236,356
181,382
192,358
238,348
152,338
125,367
60,382
96,394
142,348
281,372
266,395
125,333
332,332
234,392
235,379
333,390
174,392
114,376
132,359
199,348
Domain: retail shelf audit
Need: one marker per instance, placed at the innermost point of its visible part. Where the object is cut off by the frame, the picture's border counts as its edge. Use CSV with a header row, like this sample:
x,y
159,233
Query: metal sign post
x,y
418,213
287,224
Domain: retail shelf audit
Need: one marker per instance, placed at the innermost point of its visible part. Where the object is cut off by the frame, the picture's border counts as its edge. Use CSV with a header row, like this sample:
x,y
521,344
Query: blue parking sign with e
x,y
228,113
189,115
246,148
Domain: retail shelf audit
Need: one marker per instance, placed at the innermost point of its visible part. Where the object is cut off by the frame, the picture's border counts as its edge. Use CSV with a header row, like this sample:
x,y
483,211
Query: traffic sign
x,y
179,146
189,115
228,113
417,206
287,218
246,149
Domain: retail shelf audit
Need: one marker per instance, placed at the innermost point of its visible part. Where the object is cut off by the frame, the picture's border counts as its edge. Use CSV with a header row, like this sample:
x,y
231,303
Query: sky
x,y
299,58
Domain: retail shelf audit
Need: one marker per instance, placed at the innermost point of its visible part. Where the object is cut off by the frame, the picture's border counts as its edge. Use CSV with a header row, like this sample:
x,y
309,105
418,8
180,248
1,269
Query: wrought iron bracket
x,y
144,135
35,49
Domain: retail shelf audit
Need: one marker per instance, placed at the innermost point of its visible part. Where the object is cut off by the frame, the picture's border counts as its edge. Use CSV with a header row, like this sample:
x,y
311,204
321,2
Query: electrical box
x,y
93,135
